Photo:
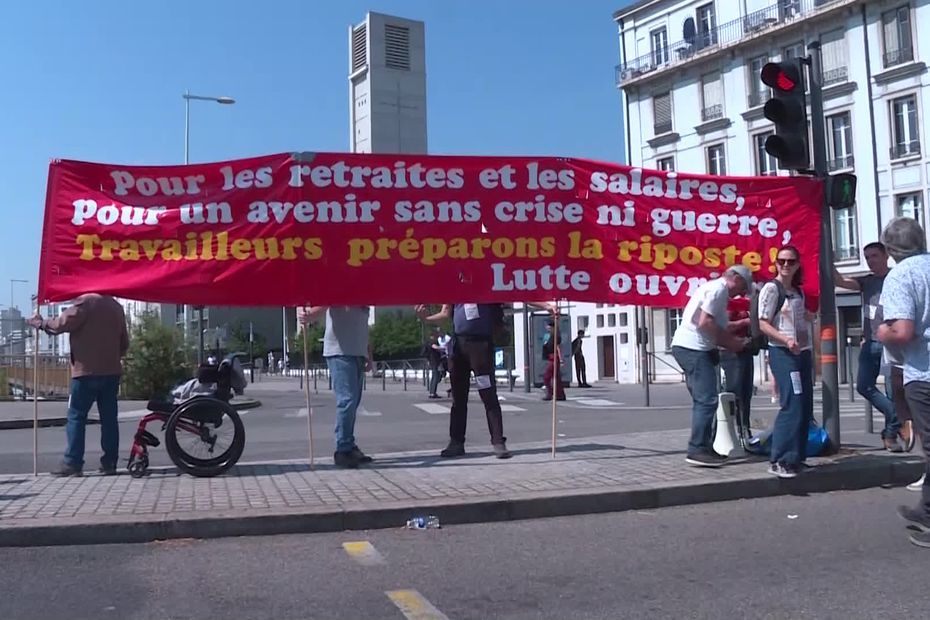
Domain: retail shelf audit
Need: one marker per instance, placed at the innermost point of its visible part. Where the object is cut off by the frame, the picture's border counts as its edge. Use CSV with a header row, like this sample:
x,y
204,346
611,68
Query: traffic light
x,y
788,110
841,190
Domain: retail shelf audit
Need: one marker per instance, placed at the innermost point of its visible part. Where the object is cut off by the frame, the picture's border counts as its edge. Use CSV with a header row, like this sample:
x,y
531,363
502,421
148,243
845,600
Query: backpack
x,y
758,340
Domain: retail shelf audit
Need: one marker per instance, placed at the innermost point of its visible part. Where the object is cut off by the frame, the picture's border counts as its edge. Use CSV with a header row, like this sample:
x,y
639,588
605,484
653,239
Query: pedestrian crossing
x,y
437,409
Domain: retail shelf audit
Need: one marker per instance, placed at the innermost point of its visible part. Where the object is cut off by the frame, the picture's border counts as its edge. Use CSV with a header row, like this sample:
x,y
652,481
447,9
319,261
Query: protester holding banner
x,y
348,355
96,325
694,346
905,300
790,333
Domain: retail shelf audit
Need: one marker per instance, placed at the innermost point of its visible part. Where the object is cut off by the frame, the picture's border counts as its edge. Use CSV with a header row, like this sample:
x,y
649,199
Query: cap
x,y
743,272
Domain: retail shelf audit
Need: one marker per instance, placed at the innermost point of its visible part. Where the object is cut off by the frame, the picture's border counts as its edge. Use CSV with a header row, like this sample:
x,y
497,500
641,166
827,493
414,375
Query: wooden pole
x,y
555,374
35,404
307,394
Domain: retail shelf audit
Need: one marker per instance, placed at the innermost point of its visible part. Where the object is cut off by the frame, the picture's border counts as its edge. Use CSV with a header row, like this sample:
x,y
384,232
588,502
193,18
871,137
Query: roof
x,y
632,8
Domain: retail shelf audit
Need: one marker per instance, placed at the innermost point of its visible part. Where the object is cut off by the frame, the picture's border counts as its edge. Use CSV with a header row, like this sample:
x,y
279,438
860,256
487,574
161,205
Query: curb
x,y
63,420
118,530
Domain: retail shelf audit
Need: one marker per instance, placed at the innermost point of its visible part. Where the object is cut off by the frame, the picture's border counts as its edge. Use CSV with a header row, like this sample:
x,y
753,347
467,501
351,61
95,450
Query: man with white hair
x,y
905,301
694,346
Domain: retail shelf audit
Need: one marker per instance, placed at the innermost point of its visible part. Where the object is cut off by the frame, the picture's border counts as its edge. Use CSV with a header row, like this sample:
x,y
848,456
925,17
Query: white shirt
x,y
790,320
711,297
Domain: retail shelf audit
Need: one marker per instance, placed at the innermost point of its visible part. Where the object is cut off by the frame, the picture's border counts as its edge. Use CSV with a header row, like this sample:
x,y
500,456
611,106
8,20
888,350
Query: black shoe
x,y
360,456
434,396
64,471
501,451
107,470
559,398
454,449
345,460
547,398
704,459
915,517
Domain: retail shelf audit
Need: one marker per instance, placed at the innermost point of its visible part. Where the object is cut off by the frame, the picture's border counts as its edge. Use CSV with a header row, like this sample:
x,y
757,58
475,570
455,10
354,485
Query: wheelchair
x,y
204,435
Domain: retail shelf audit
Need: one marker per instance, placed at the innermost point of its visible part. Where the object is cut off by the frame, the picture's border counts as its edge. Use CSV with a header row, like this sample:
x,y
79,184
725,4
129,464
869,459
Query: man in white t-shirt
x,y
704,328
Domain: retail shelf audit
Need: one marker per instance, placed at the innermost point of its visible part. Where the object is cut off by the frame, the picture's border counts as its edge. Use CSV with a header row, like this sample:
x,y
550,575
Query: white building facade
x,y
692,101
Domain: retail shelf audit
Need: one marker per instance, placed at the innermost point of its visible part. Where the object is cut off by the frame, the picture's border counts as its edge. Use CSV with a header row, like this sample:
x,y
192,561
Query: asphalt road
x,y
840,555
395,421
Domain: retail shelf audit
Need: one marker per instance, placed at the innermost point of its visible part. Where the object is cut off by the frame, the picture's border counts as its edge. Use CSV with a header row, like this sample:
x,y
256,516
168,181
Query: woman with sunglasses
x,y
789,331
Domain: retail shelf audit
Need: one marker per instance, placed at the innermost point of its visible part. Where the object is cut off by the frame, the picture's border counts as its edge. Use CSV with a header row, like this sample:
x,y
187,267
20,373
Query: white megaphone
x,y
725,440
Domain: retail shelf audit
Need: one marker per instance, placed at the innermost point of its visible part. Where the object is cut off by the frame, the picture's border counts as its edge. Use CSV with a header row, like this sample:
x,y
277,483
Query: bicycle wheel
x,y
204,437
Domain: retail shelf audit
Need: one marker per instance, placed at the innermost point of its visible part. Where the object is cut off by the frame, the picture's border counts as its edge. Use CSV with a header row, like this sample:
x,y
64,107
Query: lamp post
x,y
12,282
188,97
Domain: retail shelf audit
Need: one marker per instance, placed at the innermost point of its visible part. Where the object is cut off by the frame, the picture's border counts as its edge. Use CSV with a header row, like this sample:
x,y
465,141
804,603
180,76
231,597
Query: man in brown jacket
x,y
99,340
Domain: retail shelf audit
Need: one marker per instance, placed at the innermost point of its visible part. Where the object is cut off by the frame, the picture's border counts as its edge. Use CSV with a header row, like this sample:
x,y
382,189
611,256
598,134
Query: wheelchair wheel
x,y
204,437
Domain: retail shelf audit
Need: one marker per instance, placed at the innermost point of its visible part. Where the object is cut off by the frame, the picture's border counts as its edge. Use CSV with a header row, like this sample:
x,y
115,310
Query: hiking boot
x,y
501,451
345,460
360,456
454,449
915,517
908,438
921,539
892,445
65,470
917,485
783,471
704,459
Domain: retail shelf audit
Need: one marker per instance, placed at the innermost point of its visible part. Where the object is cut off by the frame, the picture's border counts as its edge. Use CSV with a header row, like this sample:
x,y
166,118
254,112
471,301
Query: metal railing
x,y
835,76
725,34
712,113
18,377
898,56
903,149
758,97
838,163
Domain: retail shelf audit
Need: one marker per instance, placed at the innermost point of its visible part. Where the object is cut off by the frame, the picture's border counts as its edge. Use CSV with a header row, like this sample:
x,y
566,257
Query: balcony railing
x,y
835,76
903,149
757,98
712,113
663,127
843,161
723,35
898,56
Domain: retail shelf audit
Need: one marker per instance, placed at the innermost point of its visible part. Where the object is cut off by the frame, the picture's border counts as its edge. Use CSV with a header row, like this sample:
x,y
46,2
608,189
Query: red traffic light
x,y
782,76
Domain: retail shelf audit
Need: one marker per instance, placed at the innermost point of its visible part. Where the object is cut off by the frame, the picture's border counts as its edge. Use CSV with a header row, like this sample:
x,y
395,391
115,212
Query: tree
x,y
156,359
237,340
397,335
315,333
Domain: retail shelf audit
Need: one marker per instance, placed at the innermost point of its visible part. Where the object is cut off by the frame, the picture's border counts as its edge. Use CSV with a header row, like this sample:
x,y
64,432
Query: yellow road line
x,y
412,604
363,552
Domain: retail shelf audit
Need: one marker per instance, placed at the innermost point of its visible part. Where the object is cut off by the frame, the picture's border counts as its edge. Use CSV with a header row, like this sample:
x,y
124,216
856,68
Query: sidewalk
x,y
609,473
20,414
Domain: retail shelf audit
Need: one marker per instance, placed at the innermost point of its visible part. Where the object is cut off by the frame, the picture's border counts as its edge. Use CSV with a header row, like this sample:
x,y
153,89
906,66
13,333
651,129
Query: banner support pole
x,y
307,394
556,376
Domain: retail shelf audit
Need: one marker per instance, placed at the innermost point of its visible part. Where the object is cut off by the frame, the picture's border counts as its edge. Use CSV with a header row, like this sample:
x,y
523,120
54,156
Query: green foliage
x,y
314,340
157,359
237,340
397,335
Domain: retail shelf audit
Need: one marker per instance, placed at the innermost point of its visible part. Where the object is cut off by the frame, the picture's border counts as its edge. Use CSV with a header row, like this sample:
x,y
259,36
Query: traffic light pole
x,y
828,346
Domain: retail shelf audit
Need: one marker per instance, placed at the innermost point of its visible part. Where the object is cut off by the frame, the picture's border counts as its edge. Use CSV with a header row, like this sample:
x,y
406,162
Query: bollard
x,y
869,428
314,380
405,378
849,373
510,378
383,379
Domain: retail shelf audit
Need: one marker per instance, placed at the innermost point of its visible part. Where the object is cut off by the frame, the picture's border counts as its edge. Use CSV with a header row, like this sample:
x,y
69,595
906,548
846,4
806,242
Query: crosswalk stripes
x,y
414,606
437,409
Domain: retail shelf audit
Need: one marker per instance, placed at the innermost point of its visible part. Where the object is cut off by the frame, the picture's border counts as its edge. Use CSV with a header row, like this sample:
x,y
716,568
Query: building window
x,y
706,25
904,127
712,97
600,320
672,323
716,160
793,51
624,319
789,8
666,164
624,338
758,92
834,54
582,322
611,320
845,237
662,113
839,141
896,36
765,163
659,47
909,205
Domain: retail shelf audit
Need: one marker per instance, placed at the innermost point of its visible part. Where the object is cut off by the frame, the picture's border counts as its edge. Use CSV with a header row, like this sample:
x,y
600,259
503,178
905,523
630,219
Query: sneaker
x,y
501,451
783,471
917,485
345,460
360,456
65,470
703,459
454,449
921,539
907,435
892,445
107,470
915,517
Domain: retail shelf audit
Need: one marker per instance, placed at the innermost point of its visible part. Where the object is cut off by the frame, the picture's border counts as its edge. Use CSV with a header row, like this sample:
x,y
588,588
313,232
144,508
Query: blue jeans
x,y
700,370
85,391
347,373
792,424
870,365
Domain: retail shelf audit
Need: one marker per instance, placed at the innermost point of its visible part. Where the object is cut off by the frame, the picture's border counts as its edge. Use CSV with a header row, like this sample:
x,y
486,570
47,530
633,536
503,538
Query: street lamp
x,y
12,282
188,97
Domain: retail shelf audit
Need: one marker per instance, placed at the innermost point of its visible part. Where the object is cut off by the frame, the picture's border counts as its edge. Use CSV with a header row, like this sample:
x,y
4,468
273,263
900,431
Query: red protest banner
x,y
335,228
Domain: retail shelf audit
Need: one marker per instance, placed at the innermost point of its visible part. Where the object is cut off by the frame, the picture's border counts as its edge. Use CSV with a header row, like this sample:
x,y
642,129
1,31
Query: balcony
x,y
898,56
724,35
712,113
838,163
905,149
835,76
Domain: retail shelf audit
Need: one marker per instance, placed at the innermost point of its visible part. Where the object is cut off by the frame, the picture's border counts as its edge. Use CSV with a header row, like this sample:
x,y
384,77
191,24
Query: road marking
x,y
363,552
363,411
595,402
511,408
432,408
414,607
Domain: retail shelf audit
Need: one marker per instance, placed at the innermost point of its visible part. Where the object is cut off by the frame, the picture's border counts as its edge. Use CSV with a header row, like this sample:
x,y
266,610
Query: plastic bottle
x,y
423,523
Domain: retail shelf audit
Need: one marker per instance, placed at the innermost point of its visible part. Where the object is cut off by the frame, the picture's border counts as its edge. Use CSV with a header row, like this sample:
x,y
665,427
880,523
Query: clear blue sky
x,y
102,81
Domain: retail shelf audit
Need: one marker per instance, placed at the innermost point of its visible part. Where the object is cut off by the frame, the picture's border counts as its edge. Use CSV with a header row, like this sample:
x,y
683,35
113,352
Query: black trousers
x,y
918,398
471,355
581,373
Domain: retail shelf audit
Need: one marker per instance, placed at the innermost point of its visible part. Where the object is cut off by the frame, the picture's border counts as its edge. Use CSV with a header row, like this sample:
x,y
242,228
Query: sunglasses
x,y
787,262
